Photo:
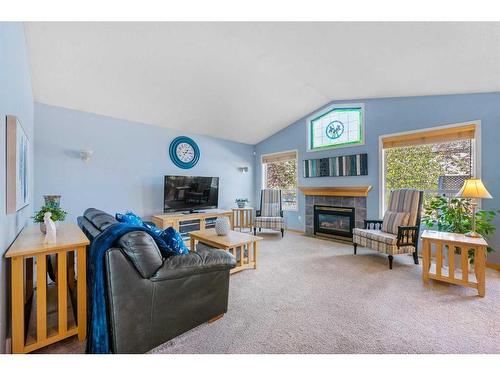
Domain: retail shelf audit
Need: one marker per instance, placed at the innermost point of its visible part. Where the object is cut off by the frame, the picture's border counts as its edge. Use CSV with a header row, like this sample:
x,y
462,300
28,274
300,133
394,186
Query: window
x,y
280,172
435,161
338,126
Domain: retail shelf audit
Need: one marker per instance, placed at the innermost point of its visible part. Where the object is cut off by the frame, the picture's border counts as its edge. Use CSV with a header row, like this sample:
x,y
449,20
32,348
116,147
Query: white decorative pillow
x,y
393,220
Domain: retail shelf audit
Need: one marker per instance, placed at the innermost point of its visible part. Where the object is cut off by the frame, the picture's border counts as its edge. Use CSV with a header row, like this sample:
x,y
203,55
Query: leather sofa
x,y
151,300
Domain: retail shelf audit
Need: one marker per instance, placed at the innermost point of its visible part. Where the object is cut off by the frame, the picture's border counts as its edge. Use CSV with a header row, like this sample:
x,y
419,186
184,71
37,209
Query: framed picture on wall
x,y
18,175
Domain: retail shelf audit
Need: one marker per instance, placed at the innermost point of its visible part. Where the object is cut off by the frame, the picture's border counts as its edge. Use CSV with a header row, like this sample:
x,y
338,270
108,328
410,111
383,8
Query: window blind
x,y
430,136
282,156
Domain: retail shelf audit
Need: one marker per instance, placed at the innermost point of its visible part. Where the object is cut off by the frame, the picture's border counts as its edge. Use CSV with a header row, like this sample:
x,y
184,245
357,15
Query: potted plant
x,y
454,215
241,202
58,214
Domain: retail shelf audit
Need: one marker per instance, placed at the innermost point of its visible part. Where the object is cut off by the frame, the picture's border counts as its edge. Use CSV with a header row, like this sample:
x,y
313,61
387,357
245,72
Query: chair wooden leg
x,y
390,261
415,257
355,247
255,231
282,232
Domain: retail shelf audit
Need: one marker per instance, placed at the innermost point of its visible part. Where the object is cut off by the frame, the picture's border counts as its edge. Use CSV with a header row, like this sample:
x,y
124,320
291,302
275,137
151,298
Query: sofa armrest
x,y
202,261
407,236
373,224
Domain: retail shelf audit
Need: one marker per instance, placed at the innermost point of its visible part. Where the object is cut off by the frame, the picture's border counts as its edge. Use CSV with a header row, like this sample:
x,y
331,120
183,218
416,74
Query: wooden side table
x,y
453,241
232,242
242,218
29,245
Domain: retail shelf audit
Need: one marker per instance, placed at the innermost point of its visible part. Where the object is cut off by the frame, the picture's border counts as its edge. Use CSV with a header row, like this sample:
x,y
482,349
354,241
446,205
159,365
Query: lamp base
x,y
473,234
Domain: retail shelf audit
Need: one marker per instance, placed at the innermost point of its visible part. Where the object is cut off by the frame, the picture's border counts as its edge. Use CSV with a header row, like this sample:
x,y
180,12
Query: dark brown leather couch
x,y
153,299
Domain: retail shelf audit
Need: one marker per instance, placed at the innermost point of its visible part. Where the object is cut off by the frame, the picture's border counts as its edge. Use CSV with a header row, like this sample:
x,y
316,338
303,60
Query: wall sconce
x,y
86,155
243,169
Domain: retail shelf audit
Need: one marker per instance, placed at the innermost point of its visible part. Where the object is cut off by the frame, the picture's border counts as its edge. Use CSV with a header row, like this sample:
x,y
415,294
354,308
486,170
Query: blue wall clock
x,y
184,152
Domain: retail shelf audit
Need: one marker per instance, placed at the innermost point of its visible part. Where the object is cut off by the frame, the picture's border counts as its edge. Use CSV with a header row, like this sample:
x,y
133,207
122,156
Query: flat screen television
x,y
190,193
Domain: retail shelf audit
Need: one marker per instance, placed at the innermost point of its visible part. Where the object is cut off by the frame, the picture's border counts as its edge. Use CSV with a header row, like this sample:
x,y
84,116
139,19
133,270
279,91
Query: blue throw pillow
x,y
174,241
129,218
153,228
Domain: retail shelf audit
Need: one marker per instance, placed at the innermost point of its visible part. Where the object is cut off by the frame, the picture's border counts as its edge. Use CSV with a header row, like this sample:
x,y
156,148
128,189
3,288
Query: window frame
x,y
476,155
264,174
326,110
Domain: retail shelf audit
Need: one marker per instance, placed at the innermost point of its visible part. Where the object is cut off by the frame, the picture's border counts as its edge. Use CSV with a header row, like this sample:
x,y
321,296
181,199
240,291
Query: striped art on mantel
x,y
337,166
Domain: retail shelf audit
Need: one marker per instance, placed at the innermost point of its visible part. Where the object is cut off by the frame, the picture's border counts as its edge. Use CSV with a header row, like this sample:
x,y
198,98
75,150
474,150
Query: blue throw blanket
x,y
98,340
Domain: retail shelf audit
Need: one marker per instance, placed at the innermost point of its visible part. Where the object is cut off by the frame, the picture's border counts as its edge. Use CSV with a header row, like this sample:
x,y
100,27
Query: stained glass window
x,y
336,127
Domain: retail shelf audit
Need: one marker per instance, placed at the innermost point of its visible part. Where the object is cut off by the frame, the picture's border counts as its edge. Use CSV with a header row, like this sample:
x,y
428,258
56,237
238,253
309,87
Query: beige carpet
x,y
314,296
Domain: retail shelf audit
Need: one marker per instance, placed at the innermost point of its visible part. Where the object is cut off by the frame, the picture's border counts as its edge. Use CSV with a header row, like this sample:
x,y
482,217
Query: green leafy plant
x,y
454,215
241,200
58,214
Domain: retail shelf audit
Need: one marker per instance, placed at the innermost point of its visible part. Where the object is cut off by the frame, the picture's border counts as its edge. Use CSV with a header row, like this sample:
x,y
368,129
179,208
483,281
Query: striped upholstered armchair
x,y
270,215
398,232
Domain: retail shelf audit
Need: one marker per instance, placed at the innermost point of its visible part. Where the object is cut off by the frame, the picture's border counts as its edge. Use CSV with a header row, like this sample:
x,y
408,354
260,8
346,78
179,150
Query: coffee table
x,y
232,242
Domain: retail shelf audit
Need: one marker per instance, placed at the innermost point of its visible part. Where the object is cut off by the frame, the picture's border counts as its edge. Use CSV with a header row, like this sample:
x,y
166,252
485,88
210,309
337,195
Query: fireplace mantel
x,y
338,191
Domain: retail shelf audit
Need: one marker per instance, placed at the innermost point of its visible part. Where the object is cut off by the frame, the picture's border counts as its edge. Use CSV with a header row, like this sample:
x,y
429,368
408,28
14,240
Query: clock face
x,y
185,152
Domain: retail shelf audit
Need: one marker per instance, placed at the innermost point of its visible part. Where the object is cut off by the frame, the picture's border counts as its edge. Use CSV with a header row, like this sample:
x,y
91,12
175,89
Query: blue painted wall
x,y
392,115
16,98
129,162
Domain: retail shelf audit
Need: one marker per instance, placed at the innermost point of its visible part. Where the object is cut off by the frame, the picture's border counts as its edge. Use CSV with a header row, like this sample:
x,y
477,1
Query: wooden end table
x,y
27,246
454,241
232,242
242,218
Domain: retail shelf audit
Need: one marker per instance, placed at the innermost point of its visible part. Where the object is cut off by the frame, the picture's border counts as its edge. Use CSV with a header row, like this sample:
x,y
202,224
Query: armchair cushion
x,y
381,241
406,200
195,263
394,220
142,251
268,222
270,204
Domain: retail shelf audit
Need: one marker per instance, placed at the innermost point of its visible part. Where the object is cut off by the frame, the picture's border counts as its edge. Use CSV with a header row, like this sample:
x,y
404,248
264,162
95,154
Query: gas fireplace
x,y
334,222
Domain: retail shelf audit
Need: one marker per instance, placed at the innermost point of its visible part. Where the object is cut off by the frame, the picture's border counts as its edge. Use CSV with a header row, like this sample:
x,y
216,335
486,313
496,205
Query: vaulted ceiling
x,y
246,81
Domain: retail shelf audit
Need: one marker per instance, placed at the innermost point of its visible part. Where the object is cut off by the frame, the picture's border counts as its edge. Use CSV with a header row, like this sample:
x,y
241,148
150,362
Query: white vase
x,y
44,230
222,226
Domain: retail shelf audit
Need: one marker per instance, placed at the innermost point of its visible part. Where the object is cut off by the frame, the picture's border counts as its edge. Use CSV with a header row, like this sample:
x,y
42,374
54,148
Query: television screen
x,y
187,193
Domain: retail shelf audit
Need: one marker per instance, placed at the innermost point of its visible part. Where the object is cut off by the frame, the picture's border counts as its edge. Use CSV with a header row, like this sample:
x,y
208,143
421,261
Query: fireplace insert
x,y
334,222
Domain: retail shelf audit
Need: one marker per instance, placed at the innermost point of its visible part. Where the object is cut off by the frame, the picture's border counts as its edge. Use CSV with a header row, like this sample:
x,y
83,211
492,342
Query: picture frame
x,y
17,168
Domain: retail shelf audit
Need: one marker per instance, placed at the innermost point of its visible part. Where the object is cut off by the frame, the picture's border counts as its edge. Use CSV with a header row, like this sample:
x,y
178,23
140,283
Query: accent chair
x,y
398,232
270,215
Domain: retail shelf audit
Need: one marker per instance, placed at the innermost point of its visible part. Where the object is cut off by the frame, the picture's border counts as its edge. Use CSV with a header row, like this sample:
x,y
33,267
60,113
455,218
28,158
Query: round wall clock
x,y
184,152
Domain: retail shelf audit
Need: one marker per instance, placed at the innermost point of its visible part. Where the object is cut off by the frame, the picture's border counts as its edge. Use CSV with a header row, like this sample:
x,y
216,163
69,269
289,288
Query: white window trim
x,y
476,167
263,174
327,109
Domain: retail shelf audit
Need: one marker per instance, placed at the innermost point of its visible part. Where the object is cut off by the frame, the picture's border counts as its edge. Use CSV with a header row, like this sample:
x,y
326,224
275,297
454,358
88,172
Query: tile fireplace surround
x,y
336,197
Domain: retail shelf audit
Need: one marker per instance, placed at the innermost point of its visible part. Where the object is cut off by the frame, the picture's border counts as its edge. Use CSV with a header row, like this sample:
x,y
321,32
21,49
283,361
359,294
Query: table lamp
x,y
473,188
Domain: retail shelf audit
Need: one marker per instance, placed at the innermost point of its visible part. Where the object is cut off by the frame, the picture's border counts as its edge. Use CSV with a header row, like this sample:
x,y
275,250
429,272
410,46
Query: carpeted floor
x,y
314,296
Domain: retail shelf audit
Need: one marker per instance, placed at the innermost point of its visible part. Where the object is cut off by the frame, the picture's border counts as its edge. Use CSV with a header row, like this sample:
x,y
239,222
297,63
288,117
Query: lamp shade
x,y
473,188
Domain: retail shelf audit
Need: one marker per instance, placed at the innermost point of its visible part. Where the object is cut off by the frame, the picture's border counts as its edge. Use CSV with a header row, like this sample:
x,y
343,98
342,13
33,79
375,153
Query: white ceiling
x,y
246,81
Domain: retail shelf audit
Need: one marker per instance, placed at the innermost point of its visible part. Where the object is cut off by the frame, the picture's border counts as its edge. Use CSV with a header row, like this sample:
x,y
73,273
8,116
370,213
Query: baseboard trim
x,y
493,266
295,231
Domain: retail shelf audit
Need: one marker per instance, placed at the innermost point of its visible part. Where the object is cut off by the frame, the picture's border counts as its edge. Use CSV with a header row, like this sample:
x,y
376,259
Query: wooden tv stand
x,y
196,220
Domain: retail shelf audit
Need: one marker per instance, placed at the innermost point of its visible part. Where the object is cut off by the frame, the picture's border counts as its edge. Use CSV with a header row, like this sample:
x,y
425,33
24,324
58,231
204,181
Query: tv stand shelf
x,y
188,222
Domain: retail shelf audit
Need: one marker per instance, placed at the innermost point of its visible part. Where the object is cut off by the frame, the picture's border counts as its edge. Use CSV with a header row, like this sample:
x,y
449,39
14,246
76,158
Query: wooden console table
x,y
27,246
175,219
232,242
242,218
454,241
